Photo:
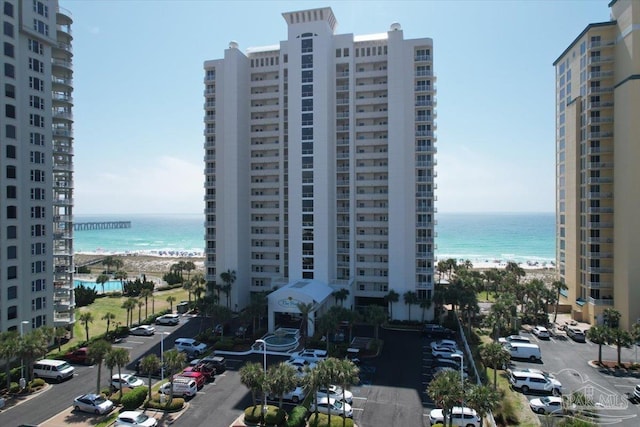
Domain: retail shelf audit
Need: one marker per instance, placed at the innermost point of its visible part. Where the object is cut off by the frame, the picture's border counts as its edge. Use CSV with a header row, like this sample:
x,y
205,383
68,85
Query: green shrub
x,y
506,413
438,425
253,414
323,421
297,417
37,382
176,404
274,416
134,399
224,344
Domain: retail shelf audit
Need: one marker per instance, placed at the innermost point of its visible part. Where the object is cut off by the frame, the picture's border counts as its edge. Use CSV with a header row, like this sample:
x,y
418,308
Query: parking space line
x,y
122,346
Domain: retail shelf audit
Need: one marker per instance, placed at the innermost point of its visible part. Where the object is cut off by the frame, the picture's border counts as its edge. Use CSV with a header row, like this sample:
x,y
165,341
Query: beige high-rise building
x,y
597,167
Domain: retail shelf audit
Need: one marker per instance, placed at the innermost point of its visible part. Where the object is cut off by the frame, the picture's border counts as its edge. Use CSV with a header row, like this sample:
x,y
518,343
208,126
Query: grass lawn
x,y
516,402
101,306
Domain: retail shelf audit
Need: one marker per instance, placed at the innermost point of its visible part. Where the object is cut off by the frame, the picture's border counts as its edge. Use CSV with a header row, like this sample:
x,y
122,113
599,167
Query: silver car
x,y
94,403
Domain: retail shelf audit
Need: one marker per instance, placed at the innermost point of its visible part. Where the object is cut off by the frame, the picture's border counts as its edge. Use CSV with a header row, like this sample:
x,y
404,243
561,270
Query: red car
x,y
197,376
205,369
79,356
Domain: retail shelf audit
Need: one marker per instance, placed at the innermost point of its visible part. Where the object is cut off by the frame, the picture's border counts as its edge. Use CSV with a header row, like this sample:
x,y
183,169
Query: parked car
x,y
353,354
532,381
310,355
327,405
541,332
190,346
94,403
135,419
513,338
205,369
547,405
523,350
184,387
53,369
449,363
198,377
445,352
444,343
335,392
126,380
218,362
430,330
144,330
168,319
459,416
576,334
78,356
295,396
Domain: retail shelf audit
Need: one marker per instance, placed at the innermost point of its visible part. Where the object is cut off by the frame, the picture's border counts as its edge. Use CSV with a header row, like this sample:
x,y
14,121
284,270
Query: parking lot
x,y
568,361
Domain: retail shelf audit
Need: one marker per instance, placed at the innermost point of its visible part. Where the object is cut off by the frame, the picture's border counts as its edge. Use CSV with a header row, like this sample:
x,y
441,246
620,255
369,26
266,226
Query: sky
x,y
138,93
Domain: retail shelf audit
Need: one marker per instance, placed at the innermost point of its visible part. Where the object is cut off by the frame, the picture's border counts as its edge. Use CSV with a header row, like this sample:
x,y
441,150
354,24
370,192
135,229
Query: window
x,y
36,65
36,84
37,230
12,252
307,76
37,194
307,134
37,157
11,151
12,272
38,266
8,9
9,90
12,232
12,192
9,71
41,27
12,312
11,171
12,212
10,132
7,29
36,120
307,61
9,50
10,111
36,47
40,8
37,212
36,102
36,138
307,46
307,105
307,90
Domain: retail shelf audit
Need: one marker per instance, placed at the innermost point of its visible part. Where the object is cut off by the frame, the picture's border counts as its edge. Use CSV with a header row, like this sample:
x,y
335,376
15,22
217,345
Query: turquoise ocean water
x,y
479,237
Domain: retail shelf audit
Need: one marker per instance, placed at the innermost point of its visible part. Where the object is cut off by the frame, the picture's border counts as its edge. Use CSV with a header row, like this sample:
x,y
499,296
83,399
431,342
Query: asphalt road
x,y
60,396
568,362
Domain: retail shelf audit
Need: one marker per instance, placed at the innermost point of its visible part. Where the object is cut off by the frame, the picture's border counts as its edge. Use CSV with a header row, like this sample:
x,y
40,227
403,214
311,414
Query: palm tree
x,y
425,304
108,262
149,365
108,316
121,358
611,317
140,304
375,316
410,298
495,356
228,277
517,271
281,378
96,353
9,348
171,299
129,305
325,324
189,266
598,335
110,362
348,374
445,389
86,318
482,398
34,345
59,333
146,293
121,275
620,338
327,375
174,361
305,310
117,263
340,295
187,285
101,280
558,286
252,376
391,298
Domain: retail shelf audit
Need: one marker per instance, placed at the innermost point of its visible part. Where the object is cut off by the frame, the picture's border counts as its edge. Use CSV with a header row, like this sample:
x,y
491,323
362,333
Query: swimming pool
x,y
110,286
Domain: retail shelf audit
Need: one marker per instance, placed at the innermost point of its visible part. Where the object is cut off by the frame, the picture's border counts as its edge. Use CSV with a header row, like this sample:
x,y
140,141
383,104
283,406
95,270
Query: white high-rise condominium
x,y
36,167
597,173
320,155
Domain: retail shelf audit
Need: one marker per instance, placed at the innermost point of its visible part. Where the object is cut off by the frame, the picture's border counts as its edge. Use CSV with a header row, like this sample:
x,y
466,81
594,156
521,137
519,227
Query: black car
x,y
436,331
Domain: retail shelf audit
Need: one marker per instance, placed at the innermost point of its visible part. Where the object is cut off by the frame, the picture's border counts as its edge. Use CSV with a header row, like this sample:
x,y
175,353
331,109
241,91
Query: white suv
x,y
464,417
168,319
535,381
190,346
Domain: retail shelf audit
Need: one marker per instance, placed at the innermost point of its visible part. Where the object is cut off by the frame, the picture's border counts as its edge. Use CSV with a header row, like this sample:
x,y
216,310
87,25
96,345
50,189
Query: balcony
x,y
423,57
600,59
601,301
595,195
600,224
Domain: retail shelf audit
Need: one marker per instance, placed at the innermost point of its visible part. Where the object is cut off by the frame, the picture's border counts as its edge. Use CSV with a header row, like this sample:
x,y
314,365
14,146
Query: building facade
x,y
36,162
320,155
597,150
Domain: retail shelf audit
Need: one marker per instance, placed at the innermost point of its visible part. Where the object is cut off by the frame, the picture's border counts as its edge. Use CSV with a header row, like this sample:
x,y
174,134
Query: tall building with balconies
x,y
320,154
597,151
36,177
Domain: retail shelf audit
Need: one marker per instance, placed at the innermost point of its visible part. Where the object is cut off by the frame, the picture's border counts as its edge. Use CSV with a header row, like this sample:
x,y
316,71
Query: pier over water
x,y
101,225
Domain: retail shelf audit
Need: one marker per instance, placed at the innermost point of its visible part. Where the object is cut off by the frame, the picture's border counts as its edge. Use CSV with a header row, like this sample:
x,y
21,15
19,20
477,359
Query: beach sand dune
x,y
136,265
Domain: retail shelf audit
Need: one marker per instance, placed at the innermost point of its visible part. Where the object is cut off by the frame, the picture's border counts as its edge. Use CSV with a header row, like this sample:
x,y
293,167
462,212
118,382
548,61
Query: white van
x,y
53,369
521,350
184,387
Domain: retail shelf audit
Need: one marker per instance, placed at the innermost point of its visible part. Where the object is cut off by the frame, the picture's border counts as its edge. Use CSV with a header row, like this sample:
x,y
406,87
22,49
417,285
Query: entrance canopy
x,y
287,298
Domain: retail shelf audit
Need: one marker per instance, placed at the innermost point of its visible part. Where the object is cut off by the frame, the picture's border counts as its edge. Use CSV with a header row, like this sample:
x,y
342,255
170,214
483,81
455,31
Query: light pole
x,y
264,364
162,354
23,382
461,357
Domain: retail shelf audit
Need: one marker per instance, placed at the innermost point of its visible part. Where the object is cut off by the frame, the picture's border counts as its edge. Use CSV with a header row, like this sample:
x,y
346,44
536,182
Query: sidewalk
x,y
69,417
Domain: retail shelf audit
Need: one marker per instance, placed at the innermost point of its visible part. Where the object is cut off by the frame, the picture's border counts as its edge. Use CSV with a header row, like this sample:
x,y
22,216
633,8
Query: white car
x,y
144,330
541,332
126,380
336,407
310,355
513,338
464,417
94,403
445,352
444,343
168,319
547,405
335,392
135,419
526,381
295,396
